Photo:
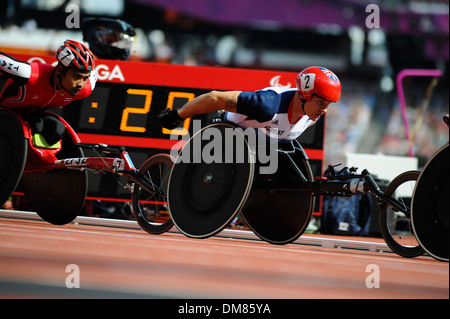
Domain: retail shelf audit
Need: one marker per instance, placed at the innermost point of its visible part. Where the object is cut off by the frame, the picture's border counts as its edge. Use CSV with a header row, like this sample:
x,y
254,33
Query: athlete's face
x,y
73,80
316,107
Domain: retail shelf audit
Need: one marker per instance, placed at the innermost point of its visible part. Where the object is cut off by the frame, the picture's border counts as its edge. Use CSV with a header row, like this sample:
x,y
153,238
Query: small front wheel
x,y
395,226
150,208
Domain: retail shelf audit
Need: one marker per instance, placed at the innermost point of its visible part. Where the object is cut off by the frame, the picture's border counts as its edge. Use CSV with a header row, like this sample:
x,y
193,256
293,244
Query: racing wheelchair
x,y
203,196
205,193
54,177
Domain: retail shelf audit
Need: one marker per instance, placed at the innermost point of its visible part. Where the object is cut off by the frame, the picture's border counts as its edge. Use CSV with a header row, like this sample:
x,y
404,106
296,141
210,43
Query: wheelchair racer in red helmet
x,y
34,87
29,89
318,81
282,114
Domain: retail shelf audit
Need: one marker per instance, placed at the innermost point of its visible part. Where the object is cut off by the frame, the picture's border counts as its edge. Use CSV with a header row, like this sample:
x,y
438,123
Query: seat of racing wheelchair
x,y
57,196
217,175
47,131
39,141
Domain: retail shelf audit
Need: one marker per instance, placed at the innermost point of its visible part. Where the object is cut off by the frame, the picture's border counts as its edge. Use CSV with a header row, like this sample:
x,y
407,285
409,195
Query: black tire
x,y
205,194
276,215
150,209
430,206
58,196
13,153
396,228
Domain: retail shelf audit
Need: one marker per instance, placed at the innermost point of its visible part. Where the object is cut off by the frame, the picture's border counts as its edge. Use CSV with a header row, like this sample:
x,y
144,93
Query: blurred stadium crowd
x,y
284,35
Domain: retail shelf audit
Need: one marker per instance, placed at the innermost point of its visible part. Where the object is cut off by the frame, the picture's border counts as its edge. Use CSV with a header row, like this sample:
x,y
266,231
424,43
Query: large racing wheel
x,y
275,212
58,196
430,206
210,180
13,153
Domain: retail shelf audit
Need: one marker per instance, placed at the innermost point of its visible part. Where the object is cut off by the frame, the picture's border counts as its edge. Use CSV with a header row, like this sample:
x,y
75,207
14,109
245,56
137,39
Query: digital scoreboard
x,y
122,110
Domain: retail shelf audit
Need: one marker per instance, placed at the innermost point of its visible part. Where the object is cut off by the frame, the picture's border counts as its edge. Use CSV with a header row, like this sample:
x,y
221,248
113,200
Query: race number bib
x,y
66,56
307,82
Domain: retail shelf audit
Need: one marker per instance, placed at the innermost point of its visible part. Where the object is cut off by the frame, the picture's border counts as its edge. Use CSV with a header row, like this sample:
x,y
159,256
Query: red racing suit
x,y
27,88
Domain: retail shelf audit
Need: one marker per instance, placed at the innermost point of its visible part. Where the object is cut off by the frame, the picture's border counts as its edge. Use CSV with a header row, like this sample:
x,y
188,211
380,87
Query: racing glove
x,y
169,119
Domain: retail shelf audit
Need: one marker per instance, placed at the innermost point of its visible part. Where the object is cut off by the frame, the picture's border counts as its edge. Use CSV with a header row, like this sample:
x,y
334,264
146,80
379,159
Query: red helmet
x,y
320,81
76,54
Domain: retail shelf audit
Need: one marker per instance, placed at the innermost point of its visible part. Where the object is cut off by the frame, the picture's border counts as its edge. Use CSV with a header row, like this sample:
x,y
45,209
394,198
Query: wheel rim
x,y
205,196
13,153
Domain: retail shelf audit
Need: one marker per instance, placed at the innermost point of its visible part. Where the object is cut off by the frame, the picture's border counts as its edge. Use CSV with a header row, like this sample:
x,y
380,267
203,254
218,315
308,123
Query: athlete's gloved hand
x,y
169,119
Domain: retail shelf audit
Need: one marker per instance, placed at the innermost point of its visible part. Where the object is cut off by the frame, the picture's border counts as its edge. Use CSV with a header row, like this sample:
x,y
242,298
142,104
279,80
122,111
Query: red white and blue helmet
x,y
76,54
320,81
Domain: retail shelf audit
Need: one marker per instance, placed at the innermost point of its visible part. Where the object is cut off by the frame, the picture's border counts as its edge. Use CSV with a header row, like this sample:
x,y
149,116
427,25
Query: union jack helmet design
x,y
73,53
320,81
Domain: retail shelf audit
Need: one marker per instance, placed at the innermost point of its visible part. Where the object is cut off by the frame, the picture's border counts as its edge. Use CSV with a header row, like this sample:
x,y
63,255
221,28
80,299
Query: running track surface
x,y
118,262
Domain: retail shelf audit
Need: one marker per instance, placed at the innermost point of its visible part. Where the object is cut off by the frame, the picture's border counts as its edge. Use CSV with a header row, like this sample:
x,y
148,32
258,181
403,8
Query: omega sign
x,y
103,71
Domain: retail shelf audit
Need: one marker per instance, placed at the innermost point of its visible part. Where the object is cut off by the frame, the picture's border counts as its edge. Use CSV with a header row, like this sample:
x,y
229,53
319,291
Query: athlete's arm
x,y
210,102
15,69
205,103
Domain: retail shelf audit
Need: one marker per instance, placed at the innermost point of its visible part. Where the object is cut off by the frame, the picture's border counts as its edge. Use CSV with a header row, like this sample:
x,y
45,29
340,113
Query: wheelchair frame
x,y
43,162
143,188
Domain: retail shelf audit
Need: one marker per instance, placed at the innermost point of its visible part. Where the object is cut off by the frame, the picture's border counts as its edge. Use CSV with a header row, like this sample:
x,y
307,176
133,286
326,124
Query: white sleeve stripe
x,y
15,68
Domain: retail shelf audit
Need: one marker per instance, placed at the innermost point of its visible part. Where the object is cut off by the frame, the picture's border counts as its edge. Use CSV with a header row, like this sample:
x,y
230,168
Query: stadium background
x,y
124,263
288,35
